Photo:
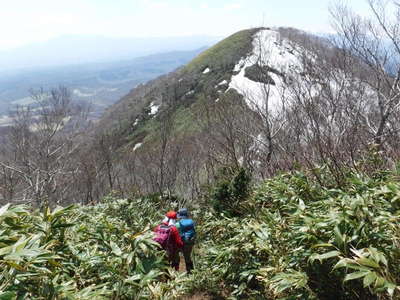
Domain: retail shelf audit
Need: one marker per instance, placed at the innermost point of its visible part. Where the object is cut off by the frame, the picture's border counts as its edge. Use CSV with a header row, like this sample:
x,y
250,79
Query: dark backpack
x,y
186,230
163,237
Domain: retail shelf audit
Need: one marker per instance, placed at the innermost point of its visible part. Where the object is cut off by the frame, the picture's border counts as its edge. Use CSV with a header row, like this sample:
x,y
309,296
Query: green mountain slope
x,y
264,99
189,82
182,126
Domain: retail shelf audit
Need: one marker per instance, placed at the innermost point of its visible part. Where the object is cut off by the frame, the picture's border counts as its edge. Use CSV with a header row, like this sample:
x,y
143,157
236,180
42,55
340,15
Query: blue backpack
x,y
186,230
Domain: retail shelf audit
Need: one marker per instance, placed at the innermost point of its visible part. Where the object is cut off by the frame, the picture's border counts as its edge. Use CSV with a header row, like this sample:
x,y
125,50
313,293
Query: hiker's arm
x,y
177,237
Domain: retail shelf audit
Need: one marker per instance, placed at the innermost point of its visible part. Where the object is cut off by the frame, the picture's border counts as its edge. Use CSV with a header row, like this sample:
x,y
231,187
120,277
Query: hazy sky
x,y
27,21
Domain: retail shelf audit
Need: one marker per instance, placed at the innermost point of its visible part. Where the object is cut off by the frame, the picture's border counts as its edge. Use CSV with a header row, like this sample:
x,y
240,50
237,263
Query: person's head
x,y
183,213
171,215
170,218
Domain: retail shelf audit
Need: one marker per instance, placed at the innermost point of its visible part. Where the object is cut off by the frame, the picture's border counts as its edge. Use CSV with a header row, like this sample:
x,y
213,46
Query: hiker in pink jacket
x,y
168,237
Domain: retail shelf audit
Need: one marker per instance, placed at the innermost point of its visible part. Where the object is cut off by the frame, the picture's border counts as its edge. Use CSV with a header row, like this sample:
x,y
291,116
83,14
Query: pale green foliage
x,y
288,281
81,253
372,266
298,240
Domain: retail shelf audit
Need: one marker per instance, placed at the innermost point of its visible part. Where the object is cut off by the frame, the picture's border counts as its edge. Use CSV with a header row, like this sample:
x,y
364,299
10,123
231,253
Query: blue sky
x,y
28,21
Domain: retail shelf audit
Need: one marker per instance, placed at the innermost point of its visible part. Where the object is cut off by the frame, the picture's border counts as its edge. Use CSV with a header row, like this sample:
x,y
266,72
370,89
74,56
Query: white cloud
x,y
23,23
27,21
157,4
233,6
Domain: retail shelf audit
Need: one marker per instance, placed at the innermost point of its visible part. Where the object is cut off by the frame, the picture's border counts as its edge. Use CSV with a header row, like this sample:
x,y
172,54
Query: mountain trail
x,y
199,296
182,266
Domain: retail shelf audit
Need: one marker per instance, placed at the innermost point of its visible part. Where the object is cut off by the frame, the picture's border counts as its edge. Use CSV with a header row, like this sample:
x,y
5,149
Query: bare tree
x,y
41,144
376,42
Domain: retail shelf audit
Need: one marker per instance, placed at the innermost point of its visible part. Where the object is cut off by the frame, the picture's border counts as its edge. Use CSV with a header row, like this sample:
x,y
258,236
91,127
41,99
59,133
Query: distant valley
x,y
101,84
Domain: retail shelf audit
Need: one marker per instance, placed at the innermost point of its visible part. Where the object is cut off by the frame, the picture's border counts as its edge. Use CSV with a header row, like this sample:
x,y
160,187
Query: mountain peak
x,y
249,63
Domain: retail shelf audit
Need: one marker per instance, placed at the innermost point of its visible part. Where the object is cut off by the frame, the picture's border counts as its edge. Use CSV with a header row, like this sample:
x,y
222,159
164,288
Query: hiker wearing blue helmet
x,y
187,232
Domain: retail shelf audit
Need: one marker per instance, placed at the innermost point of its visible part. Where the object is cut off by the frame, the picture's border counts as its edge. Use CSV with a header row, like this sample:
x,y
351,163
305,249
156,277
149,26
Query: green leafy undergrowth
x,y
303,240
296,238
100,252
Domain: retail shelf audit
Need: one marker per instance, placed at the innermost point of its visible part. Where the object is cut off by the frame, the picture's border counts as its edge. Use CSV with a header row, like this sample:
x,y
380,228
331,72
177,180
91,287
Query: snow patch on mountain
x,y
269,50
137,146
285,63
223,82
153,108
5,120
82,94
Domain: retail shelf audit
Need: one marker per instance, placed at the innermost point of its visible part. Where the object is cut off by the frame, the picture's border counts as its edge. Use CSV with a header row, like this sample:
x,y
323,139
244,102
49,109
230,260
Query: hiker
x,y
168,237
187,232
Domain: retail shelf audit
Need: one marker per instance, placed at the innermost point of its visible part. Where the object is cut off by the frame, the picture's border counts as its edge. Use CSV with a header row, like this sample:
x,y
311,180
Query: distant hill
x,y
100,83
69,50
192,81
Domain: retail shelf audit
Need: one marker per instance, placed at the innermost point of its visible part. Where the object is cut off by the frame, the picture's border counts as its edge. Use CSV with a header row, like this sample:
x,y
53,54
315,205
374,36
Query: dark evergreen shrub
x,y
231,188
